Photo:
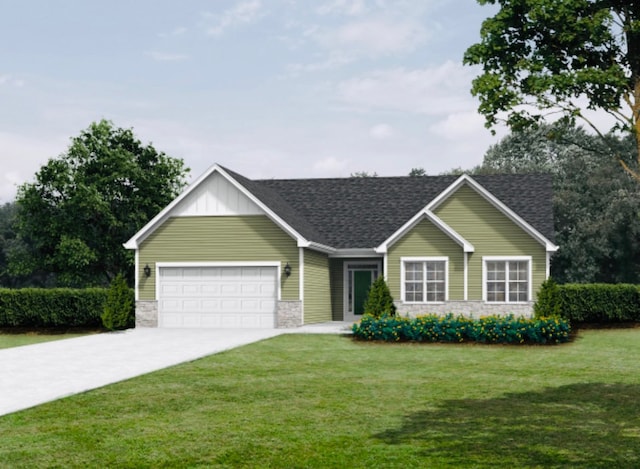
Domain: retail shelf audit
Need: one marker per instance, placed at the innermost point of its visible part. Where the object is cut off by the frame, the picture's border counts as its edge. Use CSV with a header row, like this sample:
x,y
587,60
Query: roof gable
x,y
216,196
466,180
194,192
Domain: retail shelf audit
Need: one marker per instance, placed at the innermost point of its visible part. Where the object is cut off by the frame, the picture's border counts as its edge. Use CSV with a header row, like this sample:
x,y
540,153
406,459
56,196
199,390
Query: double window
x,y
424,280
507,280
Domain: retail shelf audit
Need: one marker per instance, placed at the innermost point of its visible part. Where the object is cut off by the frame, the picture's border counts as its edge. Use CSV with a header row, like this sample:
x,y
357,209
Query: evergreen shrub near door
x,y
379,300
450,328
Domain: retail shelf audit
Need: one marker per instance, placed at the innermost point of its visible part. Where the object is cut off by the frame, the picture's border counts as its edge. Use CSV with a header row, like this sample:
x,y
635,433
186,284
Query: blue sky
x,y
269,88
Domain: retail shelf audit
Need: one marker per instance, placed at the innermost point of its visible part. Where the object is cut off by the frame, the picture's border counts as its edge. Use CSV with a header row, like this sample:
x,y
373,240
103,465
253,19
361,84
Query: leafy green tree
x,y
596,204
84,204
547,57
417,172
379,300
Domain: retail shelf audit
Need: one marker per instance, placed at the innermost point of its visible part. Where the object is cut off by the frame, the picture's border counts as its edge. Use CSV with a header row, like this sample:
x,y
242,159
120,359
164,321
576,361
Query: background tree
x,y
364,174
596,204
544,57
84,204
417,172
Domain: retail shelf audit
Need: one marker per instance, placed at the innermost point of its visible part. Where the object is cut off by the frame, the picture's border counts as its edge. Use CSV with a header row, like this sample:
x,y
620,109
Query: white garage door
x,y
217,297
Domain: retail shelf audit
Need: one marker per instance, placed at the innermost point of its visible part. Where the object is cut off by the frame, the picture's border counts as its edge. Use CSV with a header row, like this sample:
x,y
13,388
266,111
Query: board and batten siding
x,y
219,239
317,290
426,240
492,234
336,275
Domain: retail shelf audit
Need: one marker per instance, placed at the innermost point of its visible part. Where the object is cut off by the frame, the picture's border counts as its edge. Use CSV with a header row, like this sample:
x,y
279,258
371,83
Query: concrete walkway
x,y
35,374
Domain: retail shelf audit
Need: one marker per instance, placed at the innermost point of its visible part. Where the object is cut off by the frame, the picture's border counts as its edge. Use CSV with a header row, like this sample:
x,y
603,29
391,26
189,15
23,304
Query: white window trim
x,y
528,259
404,260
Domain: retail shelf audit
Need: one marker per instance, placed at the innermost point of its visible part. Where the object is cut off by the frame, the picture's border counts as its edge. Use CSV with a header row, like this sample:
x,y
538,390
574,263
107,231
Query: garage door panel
x,y
230,289
210,289
252,289
230,305
218,297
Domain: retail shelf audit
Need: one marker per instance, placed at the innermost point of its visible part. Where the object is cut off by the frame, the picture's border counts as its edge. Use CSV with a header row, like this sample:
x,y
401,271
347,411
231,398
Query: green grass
x,y
8,340
326,401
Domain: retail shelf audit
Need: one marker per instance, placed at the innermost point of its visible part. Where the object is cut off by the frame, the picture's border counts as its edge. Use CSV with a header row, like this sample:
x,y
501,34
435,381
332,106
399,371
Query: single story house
x,y
231,252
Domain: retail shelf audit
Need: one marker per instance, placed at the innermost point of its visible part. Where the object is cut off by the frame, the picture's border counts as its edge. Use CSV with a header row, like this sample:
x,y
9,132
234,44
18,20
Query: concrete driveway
x,y
34,374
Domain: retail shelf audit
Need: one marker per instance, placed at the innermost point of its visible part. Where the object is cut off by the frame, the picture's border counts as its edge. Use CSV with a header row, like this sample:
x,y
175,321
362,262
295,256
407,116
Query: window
x,y
425,280
507,280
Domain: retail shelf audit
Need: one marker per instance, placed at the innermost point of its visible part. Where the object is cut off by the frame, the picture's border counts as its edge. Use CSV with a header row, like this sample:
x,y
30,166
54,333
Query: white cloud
x,y
179,31
458,125
26,155
381,131
243,13
373,37
9,80
329,165
166,56
432,91
345,7
331,62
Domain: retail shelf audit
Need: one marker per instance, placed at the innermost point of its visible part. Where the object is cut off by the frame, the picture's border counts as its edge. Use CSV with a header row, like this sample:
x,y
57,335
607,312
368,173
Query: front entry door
x,y
358,280
362,280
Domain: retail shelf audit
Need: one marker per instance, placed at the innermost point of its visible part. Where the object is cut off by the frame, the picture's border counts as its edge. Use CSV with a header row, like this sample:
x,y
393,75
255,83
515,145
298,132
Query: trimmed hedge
x,y
52,308
450,328
591,303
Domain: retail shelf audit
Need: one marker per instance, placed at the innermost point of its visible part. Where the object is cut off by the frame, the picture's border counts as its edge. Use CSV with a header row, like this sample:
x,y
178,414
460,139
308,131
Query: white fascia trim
x,y
465,178
317,247
486,259
465,281
355,252
135,241
136,275
301,277
426,213
404,260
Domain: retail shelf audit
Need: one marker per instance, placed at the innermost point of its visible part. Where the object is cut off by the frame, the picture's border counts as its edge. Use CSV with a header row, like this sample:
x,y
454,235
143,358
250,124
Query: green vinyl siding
x,y
219,239
492,234
317,291
336,275
426,240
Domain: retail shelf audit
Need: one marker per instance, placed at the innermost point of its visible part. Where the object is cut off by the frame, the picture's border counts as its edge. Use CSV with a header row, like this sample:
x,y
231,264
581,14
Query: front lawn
x,y
327,401
10,339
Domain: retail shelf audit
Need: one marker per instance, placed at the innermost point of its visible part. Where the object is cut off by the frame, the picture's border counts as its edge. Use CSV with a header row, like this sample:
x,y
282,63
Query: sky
x,y
267,88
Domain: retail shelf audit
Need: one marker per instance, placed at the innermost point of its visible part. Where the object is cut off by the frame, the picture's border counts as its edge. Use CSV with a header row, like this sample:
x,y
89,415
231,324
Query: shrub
x,y
119,311
52,308
602,303
379,300
450,328
595,303
548,302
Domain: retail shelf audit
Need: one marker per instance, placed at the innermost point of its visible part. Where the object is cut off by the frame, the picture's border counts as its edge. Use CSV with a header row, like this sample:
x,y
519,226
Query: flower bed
x,y
450,328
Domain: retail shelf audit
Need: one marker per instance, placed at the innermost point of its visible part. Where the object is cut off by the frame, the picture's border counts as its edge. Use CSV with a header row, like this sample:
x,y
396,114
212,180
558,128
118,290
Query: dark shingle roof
x,y
363,212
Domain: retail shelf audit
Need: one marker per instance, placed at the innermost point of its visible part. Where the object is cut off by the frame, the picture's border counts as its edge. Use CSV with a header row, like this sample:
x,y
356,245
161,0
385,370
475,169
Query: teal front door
x,y
362,280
